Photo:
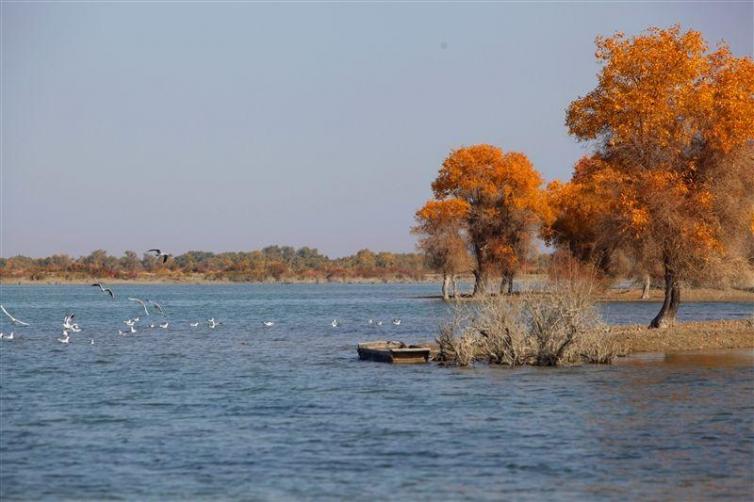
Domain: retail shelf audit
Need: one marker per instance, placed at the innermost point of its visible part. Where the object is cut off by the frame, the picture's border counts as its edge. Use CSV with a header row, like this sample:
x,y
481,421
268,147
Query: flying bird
x,y
13,320
105,290
143,303
158,307
69,325
159,254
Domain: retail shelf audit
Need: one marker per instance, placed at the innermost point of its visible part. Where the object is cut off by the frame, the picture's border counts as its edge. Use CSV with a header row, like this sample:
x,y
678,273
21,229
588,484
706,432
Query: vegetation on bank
x,y
666,195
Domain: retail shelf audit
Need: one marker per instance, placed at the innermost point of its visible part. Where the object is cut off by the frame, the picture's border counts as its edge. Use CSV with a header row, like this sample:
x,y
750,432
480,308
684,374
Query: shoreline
x,y
684,337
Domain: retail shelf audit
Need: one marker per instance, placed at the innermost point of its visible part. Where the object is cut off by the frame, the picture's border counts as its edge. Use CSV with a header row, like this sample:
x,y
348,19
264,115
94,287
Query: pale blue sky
x,y
233,126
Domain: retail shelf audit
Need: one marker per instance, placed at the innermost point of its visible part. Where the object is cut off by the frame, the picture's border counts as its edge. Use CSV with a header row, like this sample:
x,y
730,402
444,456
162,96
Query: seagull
x,y
130,322
91,341
152,325
66,338
122,333
105,290
133,330
370,321
379,323
212,323
159,254
194,324
268,323
13,320
143,303
396,322
8,337
164,325
70,326
159,307
334,323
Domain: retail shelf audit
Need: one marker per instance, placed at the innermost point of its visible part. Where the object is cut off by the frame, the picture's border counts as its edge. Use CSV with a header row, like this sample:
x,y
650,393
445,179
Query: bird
x,y
159,254
143,303
212,323
194,324
105,290
69,325
122,333
268,323
334,323
379,323
164,325
396,322
8,337
151,325
159,307
66,338
130,322
370,321
13,320
133,330
91,341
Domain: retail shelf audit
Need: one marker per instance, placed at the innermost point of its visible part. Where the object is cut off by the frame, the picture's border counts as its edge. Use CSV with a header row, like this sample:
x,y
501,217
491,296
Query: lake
x,y
289,412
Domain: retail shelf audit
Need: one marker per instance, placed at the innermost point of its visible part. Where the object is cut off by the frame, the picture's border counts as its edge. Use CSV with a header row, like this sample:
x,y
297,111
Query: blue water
x,y
289,412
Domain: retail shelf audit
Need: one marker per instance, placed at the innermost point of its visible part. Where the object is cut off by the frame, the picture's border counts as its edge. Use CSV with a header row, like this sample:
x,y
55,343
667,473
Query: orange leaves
x,y
436,213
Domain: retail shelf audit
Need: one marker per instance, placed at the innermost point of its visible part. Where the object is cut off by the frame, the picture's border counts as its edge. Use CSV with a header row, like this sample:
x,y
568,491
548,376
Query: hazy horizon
x,y
230,127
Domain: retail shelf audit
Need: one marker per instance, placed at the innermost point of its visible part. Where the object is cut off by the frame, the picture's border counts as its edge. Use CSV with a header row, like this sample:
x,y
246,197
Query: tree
x,y
505,203
670,120
441,224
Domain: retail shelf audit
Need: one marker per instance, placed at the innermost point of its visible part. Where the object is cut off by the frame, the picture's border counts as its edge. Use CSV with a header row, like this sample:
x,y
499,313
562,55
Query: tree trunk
x,y
454,286
647,285
480,283
445,286
506,283
672,301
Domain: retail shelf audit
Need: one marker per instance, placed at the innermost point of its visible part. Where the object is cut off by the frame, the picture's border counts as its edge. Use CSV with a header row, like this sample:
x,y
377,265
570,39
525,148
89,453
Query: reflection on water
x,y
246,411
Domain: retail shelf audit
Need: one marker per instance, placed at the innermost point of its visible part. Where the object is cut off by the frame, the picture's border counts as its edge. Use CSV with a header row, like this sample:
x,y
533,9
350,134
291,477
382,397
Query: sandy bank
x,y
687,336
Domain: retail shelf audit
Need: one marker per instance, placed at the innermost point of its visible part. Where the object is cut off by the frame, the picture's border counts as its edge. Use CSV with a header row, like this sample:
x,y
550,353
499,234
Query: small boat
x,y
393,352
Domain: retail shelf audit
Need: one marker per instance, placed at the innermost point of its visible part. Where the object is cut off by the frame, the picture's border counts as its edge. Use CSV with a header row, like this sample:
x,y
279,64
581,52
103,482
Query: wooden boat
x,y
393,352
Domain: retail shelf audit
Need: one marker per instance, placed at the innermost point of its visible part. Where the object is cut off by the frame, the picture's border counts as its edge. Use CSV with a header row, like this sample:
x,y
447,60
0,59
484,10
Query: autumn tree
x,y
505,205
672,123
441,225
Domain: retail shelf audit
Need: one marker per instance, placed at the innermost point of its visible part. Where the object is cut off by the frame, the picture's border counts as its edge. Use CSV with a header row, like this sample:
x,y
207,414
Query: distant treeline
x,y
273,263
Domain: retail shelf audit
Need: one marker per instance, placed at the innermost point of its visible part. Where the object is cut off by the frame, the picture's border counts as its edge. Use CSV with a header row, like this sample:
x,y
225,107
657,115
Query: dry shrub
x,y
556,328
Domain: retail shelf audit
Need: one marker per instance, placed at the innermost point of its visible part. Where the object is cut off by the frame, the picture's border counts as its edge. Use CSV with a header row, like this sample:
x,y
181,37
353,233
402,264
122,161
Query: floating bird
x,y
194,324
164,325
66,338
13,320
370,321
152,325
105,290
8,337
268,323
130,322
133,330
91,341
122,333
396,322
143,303
159,254
159,307
334,323
212,323
379,323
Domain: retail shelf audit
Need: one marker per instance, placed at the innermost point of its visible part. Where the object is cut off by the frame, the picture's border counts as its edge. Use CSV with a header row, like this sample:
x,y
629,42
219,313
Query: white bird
x,y
152,325
143,303
2,335
122,333
212,323
9,337
105,290
135,319
334,323
370,321
164,325
91,341
379,323
194,324
159,254
13,319
159,307
68,325
268,323
396,322
133,330
130,322
66,338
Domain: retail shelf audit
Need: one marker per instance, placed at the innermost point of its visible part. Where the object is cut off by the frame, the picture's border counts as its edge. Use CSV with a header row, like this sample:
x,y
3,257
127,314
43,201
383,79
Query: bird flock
x,y
70,325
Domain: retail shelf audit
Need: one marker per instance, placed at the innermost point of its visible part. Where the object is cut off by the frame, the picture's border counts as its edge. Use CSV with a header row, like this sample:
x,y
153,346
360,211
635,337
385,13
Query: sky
x,y
233,126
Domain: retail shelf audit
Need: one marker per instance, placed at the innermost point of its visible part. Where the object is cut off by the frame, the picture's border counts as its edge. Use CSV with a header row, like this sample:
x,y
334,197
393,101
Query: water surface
x,y
244,411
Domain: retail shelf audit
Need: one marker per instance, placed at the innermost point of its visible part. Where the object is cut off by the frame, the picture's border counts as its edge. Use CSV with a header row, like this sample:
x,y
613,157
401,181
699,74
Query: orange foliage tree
x,y
503,203
443,241
673,125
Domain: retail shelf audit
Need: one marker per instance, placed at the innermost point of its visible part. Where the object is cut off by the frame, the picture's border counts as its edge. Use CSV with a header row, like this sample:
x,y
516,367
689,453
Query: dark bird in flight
x,y
159,254
105,290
